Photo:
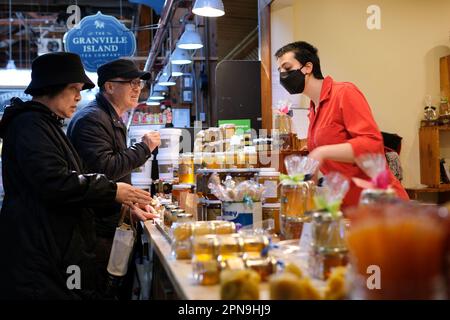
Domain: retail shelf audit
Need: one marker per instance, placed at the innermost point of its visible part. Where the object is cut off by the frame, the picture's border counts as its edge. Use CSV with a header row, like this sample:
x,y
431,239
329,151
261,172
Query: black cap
x,y
120,68
58,68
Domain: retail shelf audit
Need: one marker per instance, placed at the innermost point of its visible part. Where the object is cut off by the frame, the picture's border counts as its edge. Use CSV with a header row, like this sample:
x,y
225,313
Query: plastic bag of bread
x,y
239,285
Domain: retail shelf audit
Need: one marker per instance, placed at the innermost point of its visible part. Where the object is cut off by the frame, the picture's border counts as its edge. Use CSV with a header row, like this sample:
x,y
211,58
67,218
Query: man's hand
x,y
152,139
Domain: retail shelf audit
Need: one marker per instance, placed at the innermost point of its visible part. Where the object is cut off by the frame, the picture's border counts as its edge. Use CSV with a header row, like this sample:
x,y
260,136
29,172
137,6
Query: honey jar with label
x,y
271,181
186,168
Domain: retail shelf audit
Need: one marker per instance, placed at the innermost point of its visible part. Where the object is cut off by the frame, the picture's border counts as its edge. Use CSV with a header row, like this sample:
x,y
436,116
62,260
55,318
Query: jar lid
x,y
187,155
184,215
228,125
267,170
271,205
269,174
181,186
213,202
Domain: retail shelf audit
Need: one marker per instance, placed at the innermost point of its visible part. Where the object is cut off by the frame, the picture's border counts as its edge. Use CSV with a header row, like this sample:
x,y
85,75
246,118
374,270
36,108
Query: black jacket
x,y
99,136
45,225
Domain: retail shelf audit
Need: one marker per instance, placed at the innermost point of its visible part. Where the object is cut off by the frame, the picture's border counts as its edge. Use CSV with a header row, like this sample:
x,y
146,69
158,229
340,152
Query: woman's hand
x,y
129,195
143,213
318,155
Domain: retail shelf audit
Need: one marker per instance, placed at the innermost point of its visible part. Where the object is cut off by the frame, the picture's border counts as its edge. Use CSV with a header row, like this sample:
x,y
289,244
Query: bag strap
x,y
124,212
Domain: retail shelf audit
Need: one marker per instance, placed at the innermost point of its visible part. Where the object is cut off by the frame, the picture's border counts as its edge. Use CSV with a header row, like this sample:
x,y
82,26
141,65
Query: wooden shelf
x,y
439,128
441,188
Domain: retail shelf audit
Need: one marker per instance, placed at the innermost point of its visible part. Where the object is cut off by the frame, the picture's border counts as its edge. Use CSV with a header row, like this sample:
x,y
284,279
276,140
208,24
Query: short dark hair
x,y
50,91
304,52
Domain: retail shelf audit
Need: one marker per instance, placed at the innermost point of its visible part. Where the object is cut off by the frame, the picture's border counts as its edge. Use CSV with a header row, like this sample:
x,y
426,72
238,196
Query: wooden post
x,y
429,156
266,66
444,68
144,40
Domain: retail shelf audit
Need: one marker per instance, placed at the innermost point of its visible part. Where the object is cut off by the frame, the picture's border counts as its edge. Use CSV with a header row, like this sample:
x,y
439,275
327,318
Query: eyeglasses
x,y
136,83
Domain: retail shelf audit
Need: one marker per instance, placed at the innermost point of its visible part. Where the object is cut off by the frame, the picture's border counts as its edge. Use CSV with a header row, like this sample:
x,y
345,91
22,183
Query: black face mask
x,y
293,81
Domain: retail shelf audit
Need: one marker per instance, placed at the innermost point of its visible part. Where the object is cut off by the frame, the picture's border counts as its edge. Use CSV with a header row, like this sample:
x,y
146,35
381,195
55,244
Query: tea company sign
x,y
99,39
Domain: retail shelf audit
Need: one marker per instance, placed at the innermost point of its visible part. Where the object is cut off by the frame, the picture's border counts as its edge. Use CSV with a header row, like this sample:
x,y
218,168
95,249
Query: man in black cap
x,y
47,236
99,135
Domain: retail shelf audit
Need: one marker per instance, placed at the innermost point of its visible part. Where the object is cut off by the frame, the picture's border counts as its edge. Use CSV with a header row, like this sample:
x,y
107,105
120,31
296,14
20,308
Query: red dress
x,y
343,115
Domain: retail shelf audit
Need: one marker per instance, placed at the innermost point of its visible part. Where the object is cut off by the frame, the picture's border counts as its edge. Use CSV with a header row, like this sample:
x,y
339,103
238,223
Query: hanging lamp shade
x,y
176,70
208,8
156,96
152,103
190,39
158,88
180,56
164,80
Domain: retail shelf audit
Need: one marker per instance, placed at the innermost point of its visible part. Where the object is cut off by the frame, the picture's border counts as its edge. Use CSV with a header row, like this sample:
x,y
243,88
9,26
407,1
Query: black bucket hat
x,y
120,68
58,68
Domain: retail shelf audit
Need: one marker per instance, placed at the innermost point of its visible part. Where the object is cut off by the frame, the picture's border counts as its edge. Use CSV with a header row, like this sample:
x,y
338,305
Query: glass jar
x,y
293,199
168,214
228,130
186,169
205,267
177,189
272,211
291,227
270,180
224,227
185,217
213,209
213,134
229,246
181,231
329,249
370,196
181,249
174,214
283,123
310,193
203,228
219,159
255,245
264,266
251,159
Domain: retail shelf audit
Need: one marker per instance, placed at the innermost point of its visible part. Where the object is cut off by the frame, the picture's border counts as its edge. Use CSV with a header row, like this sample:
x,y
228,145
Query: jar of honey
x,y
229,246
293,199
272,211
181,249
186,168
203,228
270,180
205,266
224,227
177,189
291,227
329,249
181,231
228,130
255,245
213,209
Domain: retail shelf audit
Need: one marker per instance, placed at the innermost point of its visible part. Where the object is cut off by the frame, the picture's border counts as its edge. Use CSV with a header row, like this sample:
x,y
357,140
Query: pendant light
x,y
180,56
208,8
190,39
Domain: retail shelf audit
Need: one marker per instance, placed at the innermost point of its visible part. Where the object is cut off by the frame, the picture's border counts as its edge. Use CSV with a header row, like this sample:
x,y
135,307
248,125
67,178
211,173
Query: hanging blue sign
x,y
99,39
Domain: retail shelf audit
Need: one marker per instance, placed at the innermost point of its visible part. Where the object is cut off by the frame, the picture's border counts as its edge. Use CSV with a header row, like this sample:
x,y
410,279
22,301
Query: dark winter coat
x,y
100,138
45,226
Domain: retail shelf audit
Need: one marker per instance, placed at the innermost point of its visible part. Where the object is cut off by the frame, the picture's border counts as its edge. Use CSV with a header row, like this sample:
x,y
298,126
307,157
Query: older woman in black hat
x,y
47,233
